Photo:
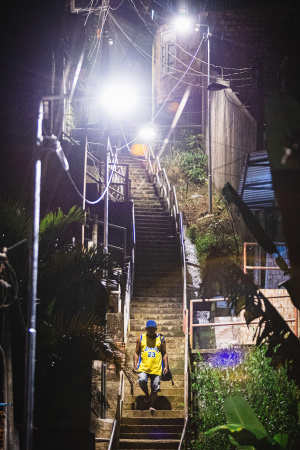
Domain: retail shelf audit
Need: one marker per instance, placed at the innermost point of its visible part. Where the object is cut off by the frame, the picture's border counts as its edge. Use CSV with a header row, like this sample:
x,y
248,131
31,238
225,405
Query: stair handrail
x,y
185,330
114,438
128,295
160,178
115,433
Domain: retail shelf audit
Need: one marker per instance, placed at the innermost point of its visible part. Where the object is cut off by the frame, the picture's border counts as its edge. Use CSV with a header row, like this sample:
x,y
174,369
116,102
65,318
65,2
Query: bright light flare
x,y
147,133
118,99
183,24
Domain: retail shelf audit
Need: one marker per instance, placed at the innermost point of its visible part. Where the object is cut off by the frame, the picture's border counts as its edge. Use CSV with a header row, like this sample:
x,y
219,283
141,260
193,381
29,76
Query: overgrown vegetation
x,y
216,231
269,392
186,160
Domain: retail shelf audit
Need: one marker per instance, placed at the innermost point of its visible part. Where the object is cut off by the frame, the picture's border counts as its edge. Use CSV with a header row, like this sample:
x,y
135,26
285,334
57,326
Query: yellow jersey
x,y
150,360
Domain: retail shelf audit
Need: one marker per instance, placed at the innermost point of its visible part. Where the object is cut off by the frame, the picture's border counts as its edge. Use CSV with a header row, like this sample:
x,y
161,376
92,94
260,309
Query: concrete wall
x,y
233,136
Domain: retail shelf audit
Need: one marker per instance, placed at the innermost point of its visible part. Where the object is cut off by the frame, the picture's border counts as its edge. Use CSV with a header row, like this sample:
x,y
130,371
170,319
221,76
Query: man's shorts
x,y
143,378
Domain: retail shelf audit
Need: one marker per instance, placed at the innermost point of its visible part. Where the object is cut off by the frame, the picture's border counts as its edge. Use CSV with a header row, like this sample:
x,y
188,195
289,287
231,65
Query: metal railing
x,y
194,326
114,438
119,188
160,179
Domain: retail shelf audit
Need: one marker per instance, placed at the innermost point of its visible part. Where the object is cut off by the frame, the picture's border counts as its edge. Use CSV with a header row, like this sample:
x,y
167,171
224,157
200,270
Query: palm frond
x,y
59,275
84,334
54,226
14,222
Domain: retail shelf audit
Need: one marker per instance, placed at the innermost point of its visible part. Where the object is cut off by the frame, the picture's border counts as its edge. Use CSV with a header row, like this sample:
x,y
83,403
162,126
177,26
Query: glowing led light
x,y
147,133
118,99
183,24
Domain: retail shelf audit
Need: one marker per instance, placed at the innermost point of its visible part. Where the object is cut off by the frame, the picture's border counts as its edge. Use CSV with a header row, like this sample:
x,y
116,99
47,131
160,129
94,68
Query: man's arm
x,y
137,354
164,356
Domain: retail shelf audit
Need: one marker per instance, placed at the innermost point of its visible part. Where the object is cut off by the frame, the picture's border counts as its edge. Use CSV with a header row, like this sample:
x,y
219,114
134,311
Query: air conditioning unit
x,y
78,6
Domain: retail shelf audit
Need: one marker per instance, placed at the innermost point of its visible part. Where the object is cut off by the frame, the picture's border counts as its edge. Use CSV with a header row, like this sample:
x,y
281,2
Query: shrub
x,y
216,231
187,160
269,392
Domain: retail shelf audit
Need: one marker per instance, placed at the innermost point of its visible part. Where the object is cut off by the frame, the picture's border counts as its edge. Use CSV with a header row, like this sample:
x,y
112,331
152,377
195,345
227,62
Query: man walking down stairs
x,y
157,294
150,362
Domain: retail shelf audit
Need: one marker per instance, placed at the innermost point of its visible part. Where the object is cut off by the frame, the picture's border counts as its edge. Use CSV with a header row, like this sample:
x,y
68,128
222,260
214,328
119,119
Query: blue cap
x,y
151,323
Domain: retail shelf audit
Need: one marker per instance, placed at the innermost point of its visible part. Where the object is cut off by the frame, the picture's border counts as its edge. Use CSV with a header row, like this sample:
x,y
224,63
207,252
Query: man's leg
x,y
155,387
143,383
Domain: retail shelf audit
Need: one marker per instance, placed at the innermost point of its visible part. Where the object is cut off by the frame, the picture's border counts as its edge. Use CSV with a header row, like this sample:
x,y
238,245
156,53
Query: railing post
x,y
191,324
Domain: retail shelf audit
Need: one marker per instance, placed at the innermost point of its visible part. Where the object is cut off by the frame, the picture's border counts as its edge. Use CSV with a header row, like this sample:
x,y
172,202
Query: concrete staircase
x,y
157,295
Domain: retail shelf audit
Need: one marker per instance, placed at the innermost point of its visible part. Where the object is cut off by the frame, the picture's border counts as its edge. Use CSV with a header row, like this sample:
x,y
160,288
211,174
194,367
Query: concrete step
x,y
156,240
146,312
150,197
140,301
162,279
142,282
148,444
156,229
157,317
152,434
156,302
152,420
157,291
137,403
177,379
163,391
147,214
156,209
175,413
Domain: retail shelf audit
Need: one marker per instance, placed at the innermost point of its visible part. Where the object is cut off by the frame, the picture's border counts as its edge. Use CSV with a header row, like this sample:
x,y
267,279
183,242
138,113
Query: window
x,y
168,51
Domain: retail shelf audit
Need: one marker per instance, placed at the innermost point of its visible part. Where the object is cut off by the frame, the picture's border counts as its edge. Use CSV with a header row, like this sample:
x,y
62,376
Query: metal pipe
x,y
209,128
84,190
105,234
31,321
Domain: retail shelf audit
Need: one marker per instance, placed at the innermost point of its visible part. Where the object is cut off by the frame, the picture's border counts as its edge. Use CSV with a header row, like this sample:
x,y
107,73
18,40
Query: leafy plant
x,y
187,160
245,429
269,393
71,305
213,232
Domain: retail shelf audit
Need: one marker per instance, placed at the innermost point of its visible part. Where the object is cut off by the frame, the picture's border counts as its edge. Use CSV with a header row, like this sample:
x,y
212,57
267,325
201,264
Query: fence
x,y
228,330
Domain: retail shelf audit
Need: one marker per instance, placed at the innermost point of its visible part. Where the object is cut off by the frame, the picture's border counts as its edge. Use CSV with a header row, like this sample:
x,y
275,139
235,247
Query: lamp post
x,y
209,127
182,23
50,144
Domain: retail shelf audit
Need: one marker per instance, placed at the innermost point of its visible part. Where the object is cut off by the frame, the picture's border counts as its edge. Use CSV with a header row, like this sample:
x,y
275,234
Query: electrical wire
x,y
212,65
115,9
94,43
89,12
98,46
231,162
106,187
146,9
141,17
171,91
150,58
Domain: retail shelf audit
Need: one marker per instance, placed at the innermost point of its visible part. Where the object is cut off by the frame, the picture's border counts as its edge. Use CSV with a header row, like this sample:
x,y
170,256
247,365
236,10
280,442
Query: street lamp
x,y
118,98
183,23
49,144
